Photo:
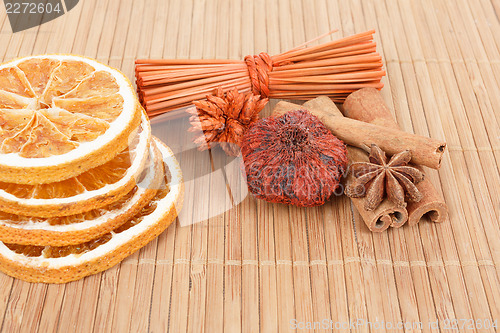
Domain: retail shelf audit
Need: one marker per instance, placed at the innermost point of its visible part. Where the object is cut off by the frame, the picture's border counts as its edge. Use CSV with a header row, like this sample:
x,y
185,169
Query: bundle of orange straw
x,y
335,69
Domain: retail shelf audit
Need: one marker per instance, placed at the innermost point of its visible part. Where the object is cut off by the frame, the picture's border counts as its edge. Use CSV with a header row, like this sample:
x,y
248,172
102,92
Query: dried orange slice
x,y
61,115
92,189
67,263
83,227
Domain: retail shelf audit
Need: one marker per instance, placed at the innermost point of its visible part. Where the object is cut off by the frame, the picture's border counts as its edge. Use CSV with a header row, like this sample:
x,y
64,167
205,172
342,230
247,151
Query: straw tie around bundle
x,y
259,67
334,69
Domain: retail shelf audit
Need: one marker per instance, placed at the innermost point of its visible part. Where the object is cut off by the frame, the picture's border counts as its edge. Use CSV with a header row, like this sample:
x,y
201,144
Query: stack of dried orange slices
x,y
83,184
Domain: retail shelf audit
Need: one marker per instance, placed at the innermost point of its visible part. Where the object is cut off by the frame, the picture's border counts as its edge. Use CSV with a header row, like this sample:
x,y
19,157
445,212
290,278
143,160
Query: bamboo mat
x,y
250,266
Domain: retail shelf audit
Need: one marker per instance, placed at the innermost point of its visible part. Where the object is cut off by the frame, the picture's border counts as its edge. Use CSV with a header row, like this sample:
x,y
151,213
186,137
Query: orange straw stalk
x,y
335,69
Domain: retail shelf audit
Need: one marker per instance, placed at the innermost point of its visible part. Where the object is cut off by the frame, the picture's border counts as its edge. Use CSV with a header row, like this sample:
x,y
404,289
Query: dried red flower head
x,y
293,159
223,118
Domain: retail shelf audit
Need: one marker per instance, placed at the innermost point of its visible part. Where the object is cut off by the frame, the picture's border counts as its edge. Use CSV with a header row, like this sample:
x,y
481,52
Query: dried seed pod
x,y
223,118
293,159
394,178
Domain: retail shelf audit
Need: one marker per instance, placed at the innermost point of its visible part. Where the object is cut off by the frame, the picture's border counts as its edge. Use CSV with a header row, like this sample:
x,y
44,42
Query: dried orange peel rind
x,y
54,93
80,228
107,251
90,190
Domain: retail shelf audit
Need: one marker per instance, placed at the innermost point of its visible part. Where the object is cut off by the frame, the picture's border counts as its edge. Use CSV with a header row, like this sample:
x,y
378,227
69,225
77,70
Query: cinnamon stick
x,y
387,213
424,151
368,105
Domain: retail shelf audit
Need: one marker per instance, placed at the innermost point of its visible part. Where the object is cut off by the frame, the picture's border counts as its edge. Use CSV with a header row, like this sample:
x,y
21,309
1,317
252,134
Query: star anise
x,y
395,179
224,118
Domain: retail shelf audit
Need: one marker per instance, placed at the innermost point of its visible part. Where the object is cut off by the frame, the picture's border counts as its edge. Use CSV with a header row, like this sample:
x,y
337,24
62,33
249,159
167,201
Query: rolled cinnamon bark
x,y
368,105
424,151
387,213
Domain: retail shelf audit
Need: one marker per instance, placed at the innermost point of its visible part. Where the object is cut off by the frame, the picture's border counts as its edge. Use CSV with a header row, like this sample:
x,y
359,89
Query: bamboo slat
x,y
3,17
488,140
437,277
73,297
162,285
250,314
301,269
161,300
492,20
112,312
315,221
22,294
381,245
198,275
415,102
445,109
233,266
232,309
407,295
374,308
179,300
335,214
485,242
30,319
335,264
267,269
18,296
178,293
420,274
219,200
268,283
459,295
139,320
375,305
286,296
479,48
121,310
15,294
255,266
132,269
104,283
197,278
5,36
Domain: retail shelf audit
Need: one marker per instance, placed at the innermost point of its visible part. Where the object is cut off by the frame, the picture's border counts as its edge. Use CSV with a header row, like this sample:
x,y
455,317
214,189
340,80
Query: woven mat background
x,y
257,266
